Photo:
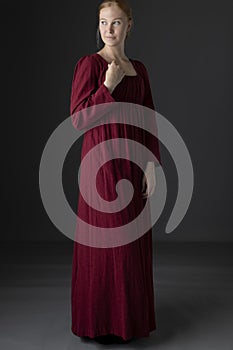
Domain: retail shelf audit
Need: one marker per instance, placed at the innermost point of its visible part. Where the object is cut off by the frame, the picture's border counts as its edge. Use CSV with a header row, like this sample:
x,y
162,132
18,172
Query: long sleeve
x,y
86,92
151,142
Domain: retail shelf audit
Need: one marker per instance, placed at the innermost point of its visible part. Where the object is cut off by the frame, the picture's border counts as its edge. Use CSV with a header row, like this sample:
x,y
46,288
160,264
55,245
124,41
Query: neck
x,y
114,52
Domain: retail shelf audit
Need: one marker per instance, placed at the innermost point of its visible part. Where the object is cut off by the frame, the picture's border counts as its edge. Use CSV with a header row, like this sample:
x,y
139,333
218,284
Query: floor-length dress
x,y
112,288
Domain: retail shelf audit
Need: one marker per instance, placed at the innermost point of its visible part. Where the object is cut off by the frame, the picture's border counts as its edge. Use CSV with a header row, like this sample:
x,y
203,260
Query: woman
x,y
112,288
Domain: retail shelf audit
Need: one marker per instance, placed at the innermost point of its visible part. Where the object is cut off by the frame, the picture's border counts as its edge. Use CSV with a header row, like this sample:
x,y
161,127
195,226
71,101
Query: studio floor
x,y
193,298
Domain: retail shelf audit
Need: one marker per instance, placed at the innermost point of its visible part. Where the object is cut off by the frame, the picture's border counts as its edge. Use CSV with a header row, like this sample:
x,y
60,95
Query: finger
x,y
145,195
145,192
143,184
148,191
151,190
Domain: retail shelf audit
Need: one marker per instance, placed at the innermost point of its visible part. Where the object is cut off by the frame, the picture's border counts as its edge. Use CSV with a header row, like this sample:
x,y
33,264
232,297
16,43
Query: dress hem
x,y
118,334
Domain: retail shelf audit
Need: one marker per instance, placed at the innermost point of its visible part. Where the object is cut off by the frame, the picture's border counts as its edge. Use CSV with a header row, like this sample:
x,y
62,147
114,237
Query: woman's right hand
x,y
114,75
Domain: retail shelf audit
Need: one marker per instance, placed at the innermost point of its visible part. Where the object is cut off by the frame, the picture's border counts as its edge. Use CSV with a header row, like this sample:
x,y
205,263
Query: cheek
x,y
123,31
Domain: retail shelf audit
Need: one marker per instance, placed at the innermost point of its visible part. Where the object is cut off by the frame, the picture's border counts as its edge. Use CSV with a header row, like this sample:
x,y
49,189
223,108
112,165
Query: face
x,y
113,25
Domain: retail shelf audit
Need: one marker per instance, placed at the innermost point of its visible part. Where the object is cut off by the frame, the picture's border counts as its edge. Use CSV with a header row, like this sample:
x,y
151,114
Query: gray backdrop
x,y
187,48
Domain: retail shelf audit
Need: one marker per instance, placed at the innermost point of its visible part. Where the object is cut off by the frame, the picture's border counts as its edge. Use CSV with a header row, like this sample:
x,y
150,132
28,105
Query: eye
x,y
117,22
103,22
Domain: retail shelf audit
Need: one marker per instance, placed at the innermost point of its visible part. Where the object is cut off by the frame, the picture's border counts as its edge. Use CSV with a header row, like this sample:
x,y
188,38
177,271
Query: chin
x,y
110,44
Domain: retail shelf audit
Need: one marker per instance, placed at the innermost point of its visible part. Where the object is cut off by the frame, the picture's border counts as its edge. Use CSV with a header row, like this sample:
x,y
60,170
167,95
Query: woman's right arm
x,y
86,93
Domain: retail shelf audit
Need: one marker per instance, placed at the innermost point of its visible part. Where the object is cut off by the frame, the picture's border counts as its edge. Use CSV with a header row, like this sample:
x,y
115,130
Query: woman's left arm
x,y
151,140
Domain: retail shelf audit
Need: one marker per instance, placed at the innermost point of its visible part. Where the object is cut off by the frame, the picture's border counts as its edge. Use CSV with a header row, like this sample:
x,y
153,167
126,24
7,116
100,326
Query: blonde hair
x,y
122,4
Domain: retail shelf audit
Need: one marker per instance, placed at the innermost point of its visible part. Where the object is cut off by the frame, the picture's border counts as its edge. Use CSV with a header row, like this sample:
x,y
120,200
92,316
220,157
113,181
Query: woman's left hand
x,y
148,180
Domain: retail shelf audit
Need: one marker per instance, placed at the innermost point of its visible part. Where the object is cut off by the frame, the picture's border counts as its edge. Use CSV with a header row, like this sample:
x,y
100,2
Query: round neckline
x,y
132,76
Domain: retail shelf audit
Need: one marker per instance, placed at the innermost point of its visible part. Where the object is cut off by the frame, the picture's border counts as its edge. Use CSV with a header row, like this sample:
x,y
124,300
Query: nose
x,y
110,28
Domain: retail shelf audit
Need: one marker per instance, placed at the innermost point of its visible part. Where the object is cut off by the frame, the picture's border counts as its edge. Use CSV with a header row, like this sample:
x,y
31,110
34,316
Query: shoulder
x,y
141,66
86,66
139,63
86,60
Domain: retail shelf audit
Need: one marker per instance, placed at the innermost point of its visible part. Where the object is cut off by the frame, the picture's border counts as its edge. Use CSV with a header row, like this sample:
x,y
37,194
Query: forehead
x,y
111,12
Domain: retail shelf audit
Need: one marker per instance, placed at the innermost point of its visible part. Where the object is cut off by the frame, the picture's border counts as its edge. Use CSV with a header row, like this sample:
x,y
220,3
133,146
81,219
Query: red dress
x,y
112,288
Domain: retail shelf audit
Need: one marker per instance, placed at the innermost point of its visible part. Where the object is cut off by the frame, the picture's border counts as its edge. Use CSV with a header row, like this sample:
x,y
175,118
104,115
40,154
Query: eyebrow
x,y
114,18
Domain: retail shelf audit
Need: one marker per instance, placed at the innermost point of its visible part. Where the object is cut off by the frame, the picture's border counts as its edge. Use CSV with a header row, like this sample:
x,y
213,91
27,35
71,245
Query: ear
x,y
129,25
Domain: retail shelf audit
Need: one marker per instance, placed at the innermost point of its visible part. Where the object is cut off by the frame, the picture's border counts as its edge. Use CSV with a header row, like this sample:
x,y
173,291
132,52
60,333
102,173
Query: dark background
x,y
187,49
